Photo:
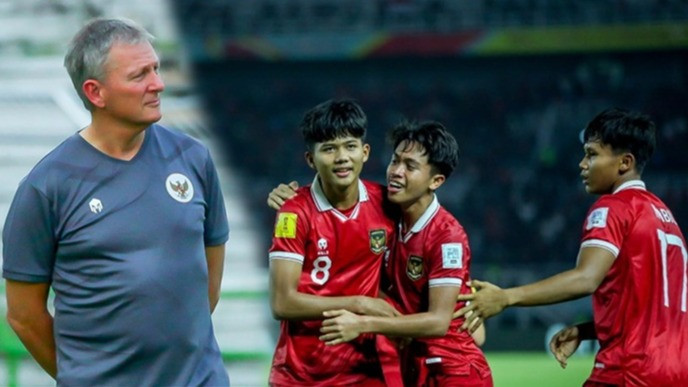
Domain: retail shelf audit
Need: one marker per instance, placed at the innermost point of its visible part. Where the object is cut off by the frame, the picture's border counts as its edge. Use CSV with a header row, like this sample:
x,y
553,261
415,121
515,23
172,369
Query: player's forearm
x,y
564,286
301,306
215,257
37,336
417,325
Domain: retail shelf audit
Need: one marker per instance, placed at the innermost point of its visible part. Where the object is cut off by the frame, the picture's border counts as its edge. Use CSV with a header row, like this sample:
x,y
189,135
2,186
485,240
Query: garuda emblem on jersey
x,y
378,241
414,267
179,187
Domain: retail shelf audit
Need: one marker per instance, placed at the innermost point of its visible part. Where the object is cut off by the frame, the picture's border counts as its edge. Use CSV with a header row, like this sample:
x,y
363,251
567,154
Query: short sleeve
x,y
28,238
605,224
449,258
290,233
215,227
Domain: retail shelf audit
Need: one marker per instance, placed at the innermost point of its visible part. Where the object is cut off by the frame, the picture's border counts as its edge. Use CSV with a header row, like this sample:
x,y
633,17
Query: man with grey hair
x,y
125,221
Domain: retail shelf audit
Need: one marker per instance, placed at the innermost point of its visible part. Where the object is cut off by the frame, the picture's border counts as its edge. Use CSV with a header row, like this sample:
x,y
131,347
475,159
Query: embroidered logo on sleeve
x,y
597,218
286,225
452,255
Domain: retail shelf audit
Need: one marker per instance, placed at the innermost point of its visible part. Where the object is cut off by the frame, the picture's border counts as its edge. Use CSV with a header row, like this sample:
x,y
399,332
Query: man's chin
x,y
395,198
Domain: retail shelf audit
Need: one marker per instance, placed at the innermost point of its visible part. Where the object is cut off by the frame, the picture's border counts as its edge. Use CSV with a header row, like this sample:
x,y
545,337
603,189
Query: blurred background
x,y
514,80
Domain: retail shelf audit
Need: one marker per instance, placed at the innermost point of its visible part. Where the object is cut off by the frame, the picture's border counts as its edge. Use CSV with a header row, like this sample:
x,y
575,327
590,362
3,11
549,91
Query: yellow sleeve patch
x,y
286,225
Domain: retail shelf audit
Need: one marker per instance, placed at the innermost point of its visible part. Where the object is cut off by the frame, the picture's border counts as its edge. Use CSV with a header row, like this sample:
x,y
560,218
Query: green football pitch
x,y
532,369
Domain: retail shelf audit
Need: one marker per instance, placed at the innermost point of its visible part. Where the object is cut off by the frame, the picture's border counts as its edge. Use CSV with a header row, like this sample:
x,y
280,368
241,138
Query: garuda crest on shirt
x,y
414,267
378,241
180,188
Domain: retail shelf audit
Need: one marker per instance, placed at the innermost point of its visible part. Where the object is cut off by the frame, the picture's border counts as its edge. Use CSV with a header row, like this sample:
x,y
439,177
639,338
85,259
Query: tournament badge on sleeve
x,y
285,227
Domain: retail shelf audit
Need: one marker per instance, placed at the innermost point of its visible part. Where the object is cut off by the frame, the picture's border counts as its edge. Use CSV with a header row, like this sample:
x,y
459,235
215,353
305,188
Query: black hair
x,y
333,119
624,131
438,144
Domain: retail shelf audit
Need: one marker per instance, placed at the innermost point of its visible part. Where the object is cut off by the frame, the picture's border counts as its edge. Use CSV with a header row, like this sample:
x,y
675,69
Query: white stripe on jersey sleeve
x,y
602,244
285,255
445,282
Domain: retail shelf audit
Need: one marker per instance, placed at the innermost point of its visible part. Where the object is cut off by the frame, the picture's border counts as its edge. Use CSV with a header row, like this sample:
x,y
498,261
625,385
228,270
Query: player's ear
x,y
366,152
436,181
309,159
626,162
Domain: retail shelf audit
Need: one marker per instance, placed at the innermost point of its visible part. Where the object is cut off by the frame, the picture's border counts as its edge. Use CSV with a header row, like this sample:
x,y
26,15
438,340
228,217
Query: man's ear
x,y
93,90
309,159
436,181
626,163
366,152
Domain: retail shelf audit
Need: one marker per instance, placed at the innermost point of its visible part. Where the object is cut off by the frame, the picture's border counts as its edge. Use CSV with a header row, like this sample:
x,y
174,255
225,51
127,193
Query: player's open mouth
x,y
343,172
394,186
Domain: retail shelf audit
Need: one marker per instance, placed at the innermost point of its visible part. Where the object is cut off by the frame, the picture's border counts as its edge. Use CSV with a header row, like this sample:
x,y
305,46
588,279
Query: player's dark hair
x,y
437,143
624,131
333,119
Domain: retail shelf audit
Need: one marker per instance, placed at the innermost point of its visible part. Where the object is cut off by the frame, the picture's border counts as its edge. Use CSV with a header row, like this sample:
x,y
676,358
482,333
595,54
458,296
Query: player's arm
x,y
215,258
342,325
27,314
287,303
593,265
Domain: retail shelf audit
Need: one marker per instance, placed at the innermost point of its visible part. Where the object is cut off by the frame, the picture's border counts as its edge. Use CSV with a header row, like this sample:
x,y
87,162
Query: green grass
x,y
531,369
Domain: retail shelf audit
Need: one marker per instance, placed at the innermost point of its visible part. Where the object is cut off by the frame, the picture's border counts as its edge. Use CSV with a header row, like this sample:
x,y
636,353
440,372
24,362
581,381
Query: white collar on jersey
x,y
324,205
423,221
631,184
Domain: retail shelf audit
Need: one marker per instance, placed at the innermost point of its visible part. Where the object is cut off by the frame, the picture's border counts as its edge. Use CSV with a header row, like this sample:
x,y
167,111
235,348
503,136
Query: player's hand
x,y
487,301
564,343
371,306
340,326
281,194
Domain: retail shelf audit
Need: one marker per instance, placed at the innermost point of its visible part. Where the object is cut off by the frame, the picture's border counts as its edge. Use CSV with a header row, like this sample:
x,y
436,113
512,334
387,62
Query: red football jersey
x,y
434,252
342,255
640,306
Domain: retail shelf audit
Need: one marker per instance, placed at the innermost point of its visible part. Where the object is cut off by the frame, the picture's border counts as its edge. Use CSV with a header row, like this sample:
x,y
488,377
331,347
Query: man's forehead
x,y
132,53
593,143
412,150
340,140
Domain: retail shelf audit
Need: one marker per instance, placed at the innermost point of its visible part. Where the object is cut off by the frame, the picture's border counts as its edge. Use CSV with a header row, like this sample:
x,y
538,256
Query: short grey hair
x,y
88,51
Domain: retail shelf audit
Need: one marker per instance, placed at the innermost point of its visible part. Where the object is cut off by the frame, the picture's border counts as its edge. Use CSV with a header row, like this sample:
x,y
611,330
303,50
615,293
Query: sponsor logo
x,y
96,206
285,227
378,241
179,187
414,267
